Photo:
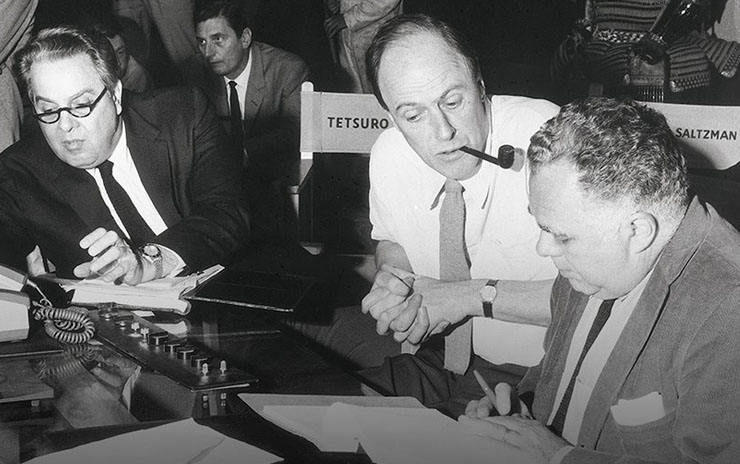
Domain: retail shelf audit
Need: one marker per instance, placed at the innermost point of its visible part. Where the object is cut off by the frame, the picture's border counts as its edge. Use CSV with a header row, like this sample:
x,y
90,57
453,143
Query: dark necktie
x,y
453,266
237,130
138,230
601,317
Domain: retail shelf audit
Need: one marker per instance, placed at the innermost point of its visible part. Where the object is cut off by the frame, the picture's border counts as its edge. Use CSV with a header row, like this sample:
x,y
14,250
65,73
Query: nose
x,y
67,122
208,50
442,127
547,245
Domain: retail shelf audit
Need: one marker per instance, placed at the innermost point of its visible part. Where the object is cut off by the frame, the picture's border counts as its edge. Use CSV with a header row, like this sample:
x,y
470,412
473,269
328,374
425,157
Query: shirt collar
x,y
242,79
120,153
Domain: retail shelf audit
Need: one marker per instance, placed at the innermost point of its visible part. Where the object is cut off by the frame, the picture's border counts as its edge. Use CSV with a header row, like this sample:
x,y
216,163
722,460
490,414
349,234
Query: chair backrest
x,y
710,134
339,122
710,140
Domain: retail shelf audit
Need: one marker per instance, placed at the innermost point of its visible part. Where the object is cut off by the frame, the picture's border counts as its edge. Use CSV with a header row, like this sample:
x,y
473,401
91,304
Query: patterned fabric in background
x,y
599,49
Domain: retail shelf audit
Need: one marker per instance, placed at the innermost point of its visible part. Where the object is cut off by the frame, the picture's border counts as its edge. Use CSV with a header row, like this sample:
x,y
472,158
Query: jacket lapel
x,y
640,326
556,353
255,88
80,192
151,157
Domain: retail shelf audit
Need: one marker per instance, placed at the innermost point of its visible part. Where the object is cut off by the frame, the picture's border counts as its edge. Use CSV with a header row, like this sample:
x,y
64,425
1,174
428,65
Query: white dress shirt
x,y
125,173
242,82
596,357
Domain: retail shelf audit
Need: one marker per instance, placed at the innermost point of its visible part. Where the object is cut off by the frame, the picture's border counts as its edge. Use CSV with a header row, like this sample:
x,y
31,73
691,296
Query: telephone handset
x,y
44,301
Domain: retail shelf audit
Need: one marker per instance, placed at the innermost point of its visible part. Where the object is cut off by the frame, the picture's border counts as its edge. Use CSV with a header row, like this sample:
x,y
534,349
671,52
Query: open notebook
x,y
166,294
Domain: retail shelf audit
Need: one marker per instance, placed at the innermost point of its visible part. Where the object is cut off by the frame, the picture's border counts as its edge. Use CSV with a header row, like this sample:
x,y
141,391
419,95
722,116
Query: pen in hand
x,y
513,399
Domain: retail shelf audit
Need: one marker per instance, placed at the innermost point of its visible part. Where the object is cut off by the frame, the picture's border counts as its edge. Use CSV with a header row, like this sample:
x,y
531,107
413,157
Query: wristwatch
x,y
151,252
487,295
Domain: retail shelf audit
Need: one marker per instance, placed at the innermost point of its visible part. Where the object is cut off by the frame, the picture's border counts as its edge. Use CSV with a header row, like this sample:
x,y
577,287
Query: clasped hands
x,y
415,307
113,259
523,435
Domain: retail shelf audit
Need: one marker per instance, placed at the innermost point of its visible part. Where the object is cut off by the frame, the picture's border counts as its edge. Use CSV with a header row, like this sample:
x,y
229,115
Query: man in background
x,y
256,90
350,26
641,356
15,29
115,185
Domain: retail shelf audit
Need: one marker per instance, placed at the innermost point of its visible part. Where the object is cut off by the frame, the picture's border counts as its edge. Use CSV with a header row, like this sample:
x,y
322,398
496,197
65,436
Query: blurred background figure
x,y
16,23
650,50
350,26
173,20
133,75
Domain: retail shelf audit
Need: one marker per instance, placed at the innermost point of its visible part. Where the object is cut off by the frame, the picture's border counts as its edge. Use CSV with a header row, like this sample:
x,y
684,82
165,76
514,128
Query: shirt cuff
x,y
557,458
180,263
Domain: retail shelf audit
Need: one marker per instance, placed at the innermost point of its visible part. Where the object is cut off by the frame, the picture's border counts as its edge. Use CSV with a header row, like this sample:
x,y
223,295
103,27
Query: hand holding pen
x,y
501,400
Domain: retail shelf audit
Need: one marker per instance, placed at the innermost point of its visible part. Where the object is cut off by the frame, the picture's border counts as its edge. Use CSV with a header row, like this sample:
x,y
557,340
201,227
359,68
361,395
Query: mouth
x,y
451,155
73,145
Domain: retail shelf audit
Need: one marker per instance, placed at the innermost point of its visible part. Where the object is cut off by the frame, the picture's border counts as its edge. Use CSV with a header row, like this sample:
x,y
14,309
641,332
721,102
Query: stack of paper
x,y
389,434
166,294
175,443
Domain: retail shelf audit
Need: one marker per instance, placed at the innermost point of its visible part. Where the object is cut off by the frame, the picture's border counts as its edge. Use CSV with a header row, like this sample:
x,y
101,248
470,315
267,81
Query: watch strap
x,y
488,305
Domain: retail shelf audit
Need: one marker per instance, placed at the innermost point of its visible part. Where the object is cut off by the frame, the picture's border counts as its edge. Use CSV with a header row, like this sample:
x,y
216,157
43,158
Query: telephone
x,y
14,305
23,300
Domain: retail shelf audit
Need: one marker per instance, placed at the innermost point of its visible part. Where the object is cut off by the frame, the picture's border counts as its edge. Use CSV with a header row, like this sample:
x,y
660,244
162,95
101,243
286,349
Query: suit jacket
x,y
271,111
185,162
681,341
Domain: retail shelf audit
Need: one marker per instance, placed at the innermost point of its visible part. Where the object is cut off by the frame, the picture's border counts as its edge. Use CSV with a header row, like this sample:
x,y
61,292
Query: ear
x,y
117,94
246,38
642,231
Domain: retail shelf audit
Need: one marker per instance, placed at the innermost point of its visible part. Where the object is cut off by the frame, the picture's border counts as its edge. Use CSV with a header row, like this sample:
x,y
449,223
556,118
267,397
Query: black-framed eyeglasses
x,y
79,111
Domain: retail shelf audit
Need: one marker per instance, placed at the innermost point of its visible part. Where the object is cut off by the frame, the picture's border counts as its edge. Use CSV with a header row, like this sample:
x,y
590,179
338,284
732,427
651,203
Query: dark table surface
x,y
93,392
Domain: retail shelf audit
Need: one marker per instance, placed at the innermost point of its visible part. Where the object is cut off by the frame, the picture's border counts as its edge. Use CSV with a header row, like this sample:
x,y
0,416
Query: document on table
x,y
182,442
388,433
165,294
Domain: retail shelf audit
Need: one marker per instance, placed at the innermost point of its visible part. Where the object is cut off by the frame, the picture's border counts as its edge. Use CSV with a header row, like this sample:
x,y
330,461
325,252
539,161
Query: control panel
x,y
194,367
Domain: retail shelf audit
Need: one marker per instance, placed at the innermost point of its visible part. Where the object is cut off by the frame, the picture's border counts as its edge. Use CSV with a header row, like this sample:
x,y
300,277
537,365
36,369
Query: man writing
x,y
447,223
642,354
116,185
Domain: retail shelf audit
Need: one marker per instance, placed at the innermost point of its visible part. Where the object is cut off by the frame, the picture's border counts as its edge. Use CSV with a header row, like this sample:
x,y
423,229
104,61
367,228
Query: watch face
x,y
488,293
151,251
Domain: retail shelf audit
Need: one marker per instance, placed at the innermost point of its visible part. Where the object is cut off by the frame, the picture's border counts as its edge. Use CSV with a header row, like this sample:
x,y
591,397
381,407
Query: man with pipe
x,y
427,79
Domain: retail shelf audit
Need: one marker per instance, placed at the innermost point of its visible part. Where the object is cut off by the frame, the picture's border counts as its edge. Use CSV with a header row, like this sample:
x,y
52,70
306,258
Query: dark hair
x,y
620,148
209,9
403,26
64,42
110,28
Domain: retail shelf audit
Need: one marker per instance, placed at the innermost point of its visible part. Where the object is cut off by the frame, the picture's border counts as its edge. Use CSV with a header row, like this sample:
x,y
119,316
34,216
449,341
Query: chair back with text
x,y
344,123
339,122
710,136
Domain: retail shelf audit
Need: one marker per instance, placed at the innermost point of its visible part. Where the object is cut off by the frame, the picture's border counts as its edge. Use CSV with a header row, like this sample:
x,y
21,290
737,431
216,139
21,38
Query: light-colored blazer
x,y
682,341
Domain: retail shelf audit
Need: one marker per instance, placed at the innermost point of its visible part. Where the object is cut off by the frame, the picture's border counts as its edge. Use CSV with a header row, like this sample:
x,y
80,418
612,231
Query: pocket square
x,y
639,411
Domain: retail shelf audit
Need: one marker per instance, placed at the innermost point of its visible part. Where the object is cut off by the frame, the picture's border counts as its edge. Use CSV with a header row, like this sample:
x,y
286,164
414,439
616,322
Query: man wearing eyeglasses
x,y
114,185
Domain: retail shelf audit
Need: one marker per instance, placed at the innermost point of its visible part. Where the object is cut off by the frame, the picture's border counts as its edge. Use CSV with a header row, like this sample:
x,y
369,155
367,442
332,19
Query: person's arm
x,y
448,303
524,302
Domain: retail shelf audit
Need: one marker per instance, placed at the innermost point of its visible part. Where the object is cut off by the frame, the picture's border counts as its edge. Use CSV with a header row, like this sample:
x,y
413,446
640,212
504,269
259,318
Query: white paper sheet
x,y
181,442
